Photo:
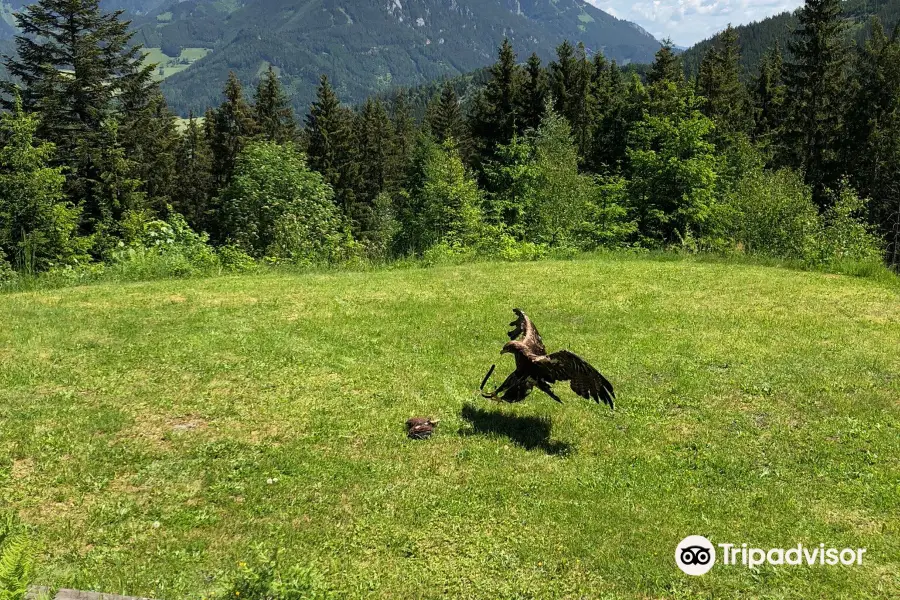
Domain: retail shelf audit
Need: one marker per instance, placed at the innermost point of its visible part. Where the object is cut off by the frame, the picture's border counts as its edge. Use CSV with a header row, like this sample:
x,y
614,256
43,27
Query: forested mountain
x,y
756,38
367,45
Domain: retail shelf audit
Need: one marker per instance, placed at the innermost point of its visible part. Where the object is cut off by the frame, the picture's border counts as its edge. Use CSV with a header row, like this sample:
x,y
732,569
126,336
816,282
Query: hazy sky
x,y
689,21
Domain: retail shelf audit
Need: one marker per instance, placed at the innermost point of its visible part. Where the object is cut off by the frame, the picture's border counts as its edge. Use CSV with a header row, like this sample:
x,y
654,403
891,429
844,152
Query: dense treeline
x,y
803,163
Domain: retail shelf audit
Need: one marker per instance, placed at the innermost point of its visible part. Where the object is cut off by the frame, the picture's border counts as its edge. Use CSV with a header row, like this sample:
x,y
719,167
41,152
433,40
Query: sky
x,y
689,21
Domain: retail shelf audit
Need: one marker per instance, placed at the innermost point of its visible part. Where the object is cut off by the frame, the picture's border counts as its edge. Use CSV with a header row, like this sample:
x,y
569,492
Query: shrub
x,y
235,260
276,206
442,203
38,228
151,249
845,234
674,174
606,223
6,272
772,214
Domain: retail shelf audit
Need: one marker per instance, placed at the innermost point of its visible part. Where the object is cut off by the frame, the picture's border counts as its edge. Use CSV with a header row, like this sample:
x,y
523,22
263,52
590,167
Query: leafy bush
x,y
385,227
16,560
442,204
772,214
264,580
6,272
845,236
607,223
235,260
674,172
276,206
562,195
38,228
152,248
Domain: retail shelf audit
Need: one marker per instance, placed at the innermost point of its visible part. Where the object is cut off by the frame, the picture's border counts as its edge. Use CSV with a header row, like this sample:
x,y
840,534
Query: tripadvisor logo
x,y
696,555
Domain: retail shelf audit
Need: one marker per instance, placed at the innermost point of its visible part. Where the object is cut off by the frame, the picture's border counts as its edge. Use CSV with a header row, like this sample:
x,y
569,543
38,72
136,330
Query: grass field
x,y
153,433
168,65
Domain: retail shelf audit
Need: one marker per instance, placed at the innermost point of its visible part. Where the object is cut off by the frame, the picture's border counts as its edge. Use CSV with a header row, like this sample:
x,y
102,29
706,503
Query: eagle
x,y
534,367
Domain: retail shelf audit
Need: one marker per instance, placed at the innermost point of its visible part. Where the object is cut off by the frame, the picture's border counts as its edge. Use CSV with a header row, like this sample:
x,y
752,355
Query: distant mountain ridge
x,y
367,46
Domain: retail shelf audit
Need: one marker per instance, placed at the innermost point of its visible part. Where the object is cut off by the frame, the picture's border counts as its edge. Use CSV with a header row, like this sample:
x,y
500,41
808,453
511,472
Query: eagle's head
x,y
511,347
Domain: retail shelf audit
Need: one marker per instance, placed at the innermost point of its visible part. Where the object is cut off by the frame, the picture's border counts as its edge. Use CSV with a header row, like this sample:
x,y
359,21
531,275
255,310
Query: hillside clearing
x,y
153,433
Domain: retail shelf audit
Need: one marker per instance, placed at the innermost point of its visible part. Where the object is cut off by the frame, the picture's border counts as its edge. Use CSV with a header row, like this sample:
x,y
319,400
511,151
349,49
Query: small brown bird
x,y
420,428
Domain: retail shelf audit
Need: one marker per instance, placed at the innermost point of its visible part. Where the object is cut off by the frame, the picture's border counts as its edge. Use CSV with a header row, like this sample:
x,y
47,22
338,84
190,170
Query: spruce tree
x,y
72,60
107,183
404,127
496,116
375,134
769,96
817,87
444,119
581,112
151,141
534,93
231,128
562,78
628,101
272,111
725,97
871,150
331,146
666,66
194,187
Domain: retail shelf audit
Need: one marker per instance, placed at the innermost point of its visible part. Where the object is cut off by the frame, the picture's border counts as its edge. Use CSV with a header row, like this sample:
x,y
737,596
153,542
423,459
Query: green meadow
x,y
155,435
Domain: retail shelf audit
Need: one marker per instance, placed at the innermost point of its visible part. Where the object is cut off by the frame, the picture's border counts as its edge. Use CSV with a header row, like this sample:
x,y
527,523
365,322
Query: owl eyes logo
x,y
695,555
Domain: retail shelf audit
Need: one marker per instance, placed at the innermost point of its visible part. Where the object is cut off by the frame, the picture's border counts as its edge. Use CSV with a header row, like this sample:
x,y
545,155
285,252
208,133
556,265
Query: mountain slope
x,y
368,45
756,38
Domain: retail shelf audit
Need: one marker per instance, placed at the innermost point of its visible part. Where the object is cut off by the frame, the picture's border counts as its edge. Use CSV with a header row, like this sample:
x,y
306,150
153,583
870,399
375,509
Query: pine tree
x,y
817,84
496,116
272,111
666,66
769,97
331,146
445,120
404,137
195,179
375,133
583,105
72,61
719,83
232,127
535,89
151,141
563,73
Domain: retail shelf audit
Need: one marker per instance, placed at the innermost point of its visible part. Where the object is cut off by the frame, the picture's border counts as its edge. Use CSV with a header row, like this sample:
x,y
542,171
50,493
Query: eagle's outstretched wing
x,y
523,326
585,380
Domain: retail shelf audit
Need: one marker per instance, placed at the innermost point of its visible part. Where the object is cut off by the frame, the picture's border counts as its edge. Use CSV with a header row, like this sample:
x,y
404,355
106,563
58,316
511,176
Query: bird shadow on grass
x,y
531,433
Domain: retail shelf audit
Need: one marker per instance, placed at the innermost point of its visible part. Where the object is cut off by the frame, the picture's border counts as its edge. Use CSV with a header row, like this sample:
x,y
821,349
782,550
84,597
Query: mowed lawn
x,y
153,434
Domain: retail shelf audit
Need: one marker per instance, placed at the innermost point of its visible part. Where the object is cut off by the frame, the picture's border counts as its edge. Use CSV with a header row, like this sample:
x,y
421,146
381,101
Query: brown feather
x,y
525,328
